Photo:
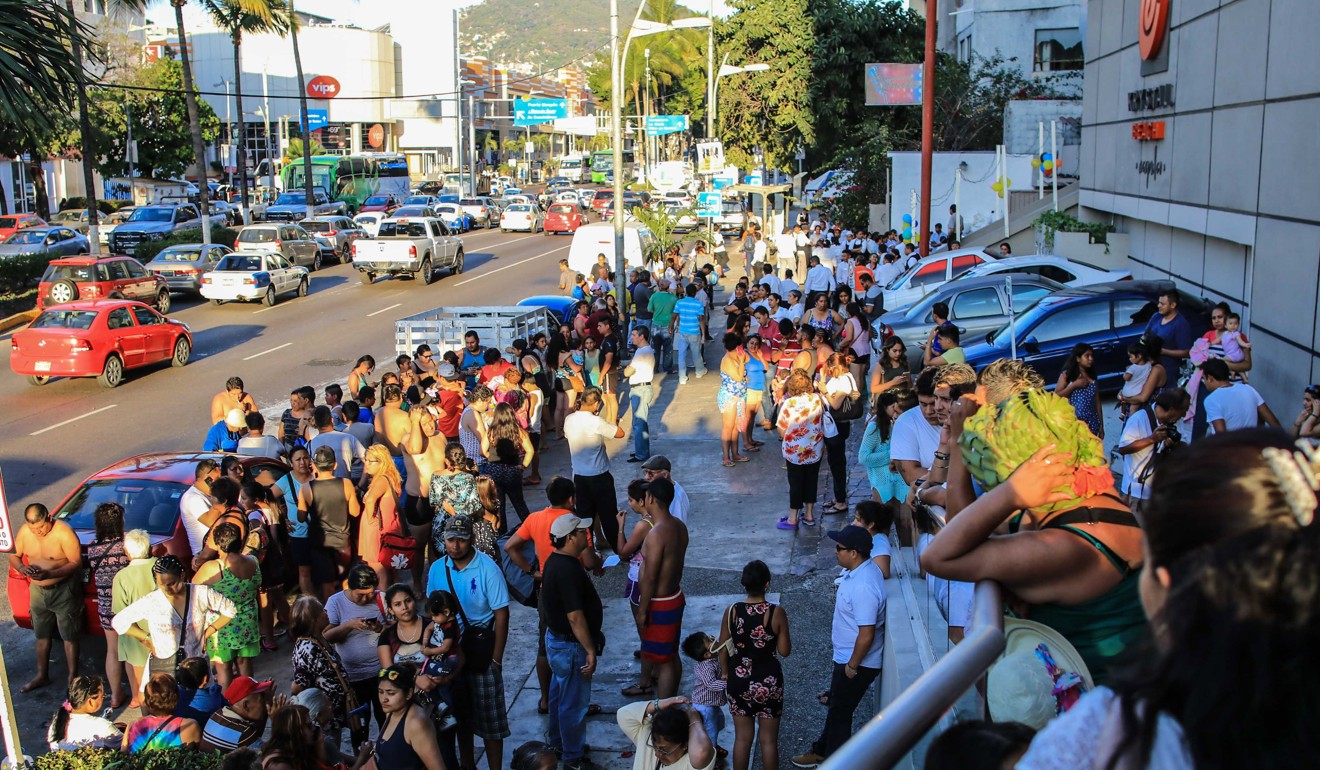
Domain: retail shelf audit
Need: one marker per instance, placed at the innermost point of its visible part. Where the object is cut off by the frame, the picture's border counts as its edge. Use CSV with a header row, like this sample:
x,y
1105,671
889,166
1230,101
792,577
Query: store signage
x,y
660,125
1148,131
323,87
1153,168
1153,27
376,136
1146,99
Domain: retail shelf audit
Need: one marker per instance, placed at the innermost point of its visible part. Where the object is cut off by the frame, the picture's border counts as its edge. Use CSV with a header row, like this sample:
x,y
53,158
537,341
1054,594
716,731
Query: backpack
x,y
522,587
1160,456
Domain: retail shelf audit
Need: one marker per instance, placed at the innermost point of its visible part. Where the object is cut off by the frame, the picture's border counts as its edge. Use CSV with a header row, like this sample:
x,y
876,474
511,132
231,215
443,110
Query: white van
x,y
598,238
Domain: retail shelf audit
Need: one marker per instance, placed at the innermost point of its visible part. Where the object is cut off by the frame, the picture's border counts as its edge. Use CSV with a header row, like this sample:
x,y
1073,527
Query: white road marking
x,y
72,419
264,352
272,307
515,264
382,310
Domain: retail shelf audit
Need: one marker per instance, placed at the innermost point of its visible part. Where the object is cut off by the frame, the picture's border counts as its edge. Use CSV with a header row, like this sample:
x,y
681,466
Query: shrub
x,y
108,759
148,250
103,206
22,272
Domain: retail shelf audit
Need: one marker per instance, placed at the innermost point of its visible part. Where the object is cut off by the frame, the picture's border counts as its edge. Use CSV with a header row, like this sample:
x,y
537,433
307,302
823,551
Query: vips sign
x,y
323,87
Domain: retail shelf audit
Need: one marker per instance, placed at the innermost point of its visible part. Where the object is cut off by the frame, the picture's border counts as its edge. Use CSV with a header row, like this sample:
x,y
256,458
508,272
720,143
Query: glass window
x,y
1055,273
1132,312
1025,296
118,271
145,316
977,303
1058,50
148,504
119,319
1073,321
134,269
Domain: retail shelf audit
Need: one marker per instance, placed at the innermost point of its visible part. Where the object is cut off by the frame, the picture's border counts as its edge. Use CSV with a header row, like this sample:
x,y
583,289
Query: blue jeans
x,y
639,397
663,346
570,694
682,344
712,718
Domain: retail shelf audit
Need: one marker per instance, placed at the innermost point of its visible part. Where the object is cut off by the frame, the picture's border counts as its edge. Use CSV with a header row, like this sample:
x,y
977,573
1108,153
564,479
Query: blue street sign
x,y
709,204
531,112
720,182
659,125
317,119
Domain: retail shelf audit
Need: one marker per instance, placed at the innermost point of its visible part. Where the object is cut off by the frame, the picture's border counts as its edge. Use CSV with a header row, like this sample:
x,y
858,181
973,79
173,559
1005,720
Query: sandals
x,y
824,697
269,646
784,523
810,522
727,464
633,691
835,507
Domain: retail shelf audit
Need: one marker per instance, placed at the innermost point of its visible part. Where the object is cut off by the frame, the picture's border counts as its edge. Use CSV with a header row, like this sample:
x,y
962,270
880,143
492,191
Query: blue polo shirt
x,y
689,311
860,601
220,439
479,586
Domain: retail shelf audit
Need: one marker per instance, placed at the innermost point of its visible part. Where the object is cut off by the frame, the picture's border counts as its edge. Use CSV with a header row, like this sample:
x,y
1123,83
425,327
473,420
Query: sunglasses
x,y
841,548
389,673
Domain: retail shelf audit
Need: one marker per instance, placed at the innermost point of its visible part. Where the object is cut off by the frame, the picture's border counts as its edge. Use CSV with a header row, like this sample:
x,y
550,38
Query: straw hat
x,y
1019,687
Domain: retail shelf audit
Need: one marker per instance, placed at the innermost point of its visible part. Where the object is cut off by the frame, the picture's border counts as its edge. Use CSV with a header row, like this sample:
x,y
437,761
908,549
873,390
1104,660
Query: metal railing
x,y
892,733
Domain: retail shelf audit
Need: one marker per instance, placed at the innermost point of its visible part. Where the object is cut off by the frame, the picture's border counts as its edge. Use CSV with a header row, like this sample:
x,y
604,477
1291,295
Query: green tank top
x,y
1104,627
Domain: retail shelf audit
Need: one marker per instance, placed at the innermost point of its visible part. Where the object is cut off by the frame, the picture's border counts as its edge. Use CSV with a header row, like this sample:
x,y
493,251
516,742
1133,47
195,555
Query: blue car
x,y
1106,316
454,217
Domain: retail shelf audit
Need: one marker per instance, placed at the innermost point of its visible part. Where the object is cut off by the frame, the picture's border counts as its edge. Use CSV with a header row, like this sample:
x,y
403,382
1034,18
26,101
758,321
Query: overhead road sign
x,y
317,119
660,125
533,112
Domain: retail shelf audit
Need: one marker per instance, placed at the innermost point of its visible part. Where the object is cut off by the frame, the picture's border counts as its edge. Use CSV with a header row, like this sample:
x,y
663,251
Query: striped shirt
x,y
226,730
689,311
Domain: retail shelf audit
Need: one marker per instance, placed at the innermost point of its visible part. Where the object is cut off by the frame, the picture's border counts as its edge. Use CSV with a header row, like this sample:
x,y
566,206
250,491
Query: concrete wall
x,y
1226,203
1007,27
979,204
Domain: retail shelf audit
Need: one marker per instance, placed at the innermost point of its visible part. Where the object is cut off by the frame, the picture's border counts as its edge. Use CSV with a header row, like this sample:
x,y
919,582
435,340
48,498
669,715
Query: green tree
x,y
237,18
38,69
294,150
662,225
678,63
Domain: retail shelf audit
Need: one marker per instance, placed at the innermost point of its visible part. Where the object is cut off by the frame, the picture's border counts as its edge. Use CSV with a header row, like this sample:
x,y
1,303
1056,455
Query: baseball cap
x,y
854,538
656,463
244,686
447,371
566,524
458,526
235,419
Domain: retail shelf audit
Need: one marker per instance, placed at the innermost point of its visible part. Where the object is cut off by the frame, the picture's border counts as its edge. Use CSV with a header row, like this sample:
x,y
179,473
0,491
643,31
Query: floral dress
x,y
316,664
106,559
756,680
802,425
240,634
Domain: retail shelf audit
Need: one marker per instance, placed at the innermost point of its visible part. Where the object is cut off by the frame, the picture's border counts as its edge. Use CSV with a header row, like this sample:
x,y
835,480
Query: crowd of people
x,y
403,533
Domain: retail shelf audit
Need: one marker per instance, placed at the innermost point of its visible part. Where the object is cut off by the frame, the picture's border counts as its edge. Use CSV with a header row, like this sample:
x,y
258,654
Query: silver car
x,y
48,240
335,235
295,243
479,211
74,219
977,306
183,266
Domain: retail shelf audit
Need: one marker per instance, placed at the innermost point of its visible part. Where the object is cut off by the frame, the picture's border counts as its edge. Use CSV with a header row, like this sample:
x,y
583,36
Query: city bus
x,y
602,166
352,178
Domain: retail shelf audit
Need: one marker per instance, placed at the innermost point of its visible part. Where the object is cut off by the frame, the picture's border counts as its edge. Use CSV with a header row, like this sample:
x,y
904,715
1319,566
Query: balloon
x,y
1035,163
907,219
997,186
907,233
1049,165
1046,156
1007,183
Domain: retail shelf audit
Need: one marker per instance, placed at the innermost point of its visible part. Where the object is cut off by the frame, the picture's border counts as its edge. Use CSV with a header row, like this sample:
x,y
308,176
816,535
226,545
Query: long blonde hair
x,y
388,471
489,495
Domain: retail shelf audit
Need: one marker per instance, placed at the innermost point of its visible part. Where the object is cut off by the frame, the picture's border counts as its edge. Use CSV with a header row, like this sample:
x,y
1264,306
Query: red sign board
x,y
376,136
1148,131
892,85
323,87
1153,26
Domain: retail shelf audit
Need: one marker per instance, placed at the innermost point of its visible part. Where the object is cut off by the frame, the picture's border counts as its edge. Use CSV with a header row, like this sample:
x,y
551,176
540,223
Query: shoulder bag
x,y
398,550
852,406
180,653
350,700
830,427
522,587
477,640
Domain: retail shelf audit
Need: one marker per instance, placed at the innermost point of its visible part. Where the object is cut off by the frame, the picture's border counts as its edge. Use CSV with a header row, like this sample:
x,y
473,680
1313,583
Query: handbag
x,y
851,408
398,550
522,586
350,700
477,640
831,429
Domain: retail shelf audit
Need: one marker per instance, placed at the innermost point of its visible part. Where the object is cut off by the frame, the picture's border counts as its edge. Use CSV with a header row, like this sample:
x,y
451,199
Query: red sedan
x,y
149,487
98,338
563,218
15,222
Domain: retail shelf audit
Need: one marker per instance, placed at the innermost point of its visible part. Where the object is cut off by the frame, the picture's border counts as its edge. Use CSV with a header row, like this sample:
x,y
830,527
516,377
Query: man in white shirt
x,y
843,272
768,277
786,246
889,270
256,443
1141,439
1230,405
857,634
759,250
586,434
787,284
659,467
350,455
916,433
640,373
820,280
196,501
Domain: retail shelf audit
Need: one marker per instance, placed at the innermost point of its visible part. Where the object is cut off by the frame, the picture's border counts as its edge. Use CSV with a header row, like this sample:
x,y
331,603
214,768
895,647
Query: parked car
x,y
408,247
15,222
183,266
976,306
679,198
455,218
1070,272
383,203
149,487
1106,316
685,219
562,218
110,222
370,222
292,206
335,236
48,240
555,182
421,200
295,243
97,338
247,276
152,223
74,219
931,273
413,212
479,213
85,278
430,187
732,217
522,216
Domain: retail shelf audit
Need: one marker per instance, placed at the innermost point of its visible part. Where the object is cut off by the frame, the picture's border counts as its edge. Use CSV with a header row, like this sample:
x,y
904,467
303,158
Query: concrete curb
x,y
16,320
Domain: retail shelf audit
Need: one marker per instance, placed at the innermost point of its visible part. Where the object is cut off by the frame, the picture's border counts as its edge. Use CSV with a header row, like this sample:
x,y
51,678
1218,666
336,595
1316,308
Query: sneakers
x,y
808,759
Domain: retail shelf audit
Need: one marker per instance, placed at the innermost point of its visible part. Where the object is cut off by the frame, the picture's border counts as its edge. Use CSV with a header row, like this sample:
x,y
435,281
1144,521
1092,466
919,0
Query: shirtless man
x,y
233,397
425,454
46,551
661,603
806,360
392,427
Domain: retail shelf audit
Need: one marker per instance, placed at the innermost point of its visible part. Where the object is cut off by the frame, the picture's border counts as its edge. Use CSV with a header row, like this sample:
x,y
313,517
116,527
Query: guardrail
x,y
893,732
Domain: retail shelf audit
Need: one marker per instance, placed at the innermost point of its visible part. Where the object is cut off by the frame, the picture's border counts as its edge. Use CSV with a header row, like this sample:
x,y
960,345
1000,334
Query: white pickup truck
x,y
408,247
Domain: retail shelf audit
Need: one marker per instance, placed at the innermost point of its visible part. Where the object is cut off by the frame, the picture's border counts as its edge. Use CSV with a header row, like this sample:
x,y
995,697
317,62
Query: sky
x,y
364,13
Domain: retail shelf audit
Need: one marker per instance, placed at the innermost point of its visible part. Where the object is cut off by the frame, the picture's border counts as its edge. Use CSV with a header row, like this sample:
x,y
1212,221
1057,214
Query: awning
x,y
820,181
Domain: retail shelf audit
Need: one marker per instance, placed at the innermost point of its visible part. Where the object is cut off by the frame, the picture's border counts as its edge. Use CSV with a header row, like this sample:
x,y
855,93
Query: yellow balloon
x,y
1035,163
997,187
1008,183
1049,165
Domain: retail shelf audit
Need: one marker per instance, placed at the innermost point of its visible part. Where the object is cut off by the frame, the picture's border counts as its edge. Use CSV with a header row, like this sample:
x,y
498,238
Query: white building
x,y
1043,37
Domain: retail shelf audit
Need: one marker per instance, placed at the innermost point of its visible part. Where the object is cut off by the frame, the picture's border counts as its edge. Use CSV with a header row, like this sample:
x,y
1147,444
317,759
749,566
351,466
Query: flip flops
x,y
784,523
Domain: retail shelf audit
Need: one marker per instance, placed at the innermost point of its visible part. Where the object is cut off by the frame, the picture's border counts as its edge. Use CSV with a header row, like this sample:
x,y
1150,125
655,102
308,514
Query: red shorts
x,y
664,625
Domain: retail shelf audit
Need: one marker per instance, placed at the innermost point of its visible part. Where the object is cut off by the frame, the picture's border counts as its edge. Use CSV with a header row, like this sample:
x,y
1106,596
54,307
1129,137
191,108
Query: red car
x,y
98,338
562,218
74,278
13,223
601,200
384,203
149,487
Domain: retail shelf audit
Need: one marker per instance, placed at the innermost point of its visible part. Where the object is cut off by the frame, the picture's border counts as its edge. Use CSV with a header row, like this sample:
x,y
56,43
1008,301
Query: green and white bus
x,y
352,178
602,166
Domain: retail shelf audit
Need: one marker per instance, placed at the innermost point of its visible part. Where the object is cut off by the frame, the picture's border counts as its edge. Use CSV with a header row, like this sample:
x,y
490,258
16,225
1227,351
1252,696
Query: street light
x,y
726,69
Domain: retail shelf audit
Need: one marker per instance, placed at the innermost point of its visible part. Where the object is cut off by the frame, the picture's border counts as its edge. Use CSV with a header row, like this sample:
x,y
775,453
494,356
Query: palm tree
x,y
194,122
237,18
37,70
294,150
305,123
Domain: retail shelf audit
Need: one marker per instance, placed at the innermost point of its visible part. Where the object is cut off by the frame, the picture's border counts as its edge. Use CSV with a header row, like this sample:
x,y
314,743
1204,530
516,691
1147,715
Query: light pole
x,y
471,154
229,130
646,111
727,69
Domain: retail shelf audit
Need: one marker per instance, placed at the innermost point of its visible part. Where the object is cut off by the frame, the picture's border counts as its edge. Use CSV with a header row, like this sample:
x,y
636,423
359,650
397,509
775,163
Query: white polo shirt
x,y
860,602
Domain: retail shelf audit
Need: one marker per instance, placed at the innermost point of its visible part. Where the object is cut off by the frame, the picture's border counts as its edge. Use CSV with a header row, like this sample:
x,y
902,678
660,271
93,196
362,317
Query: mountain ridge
x,y
541,34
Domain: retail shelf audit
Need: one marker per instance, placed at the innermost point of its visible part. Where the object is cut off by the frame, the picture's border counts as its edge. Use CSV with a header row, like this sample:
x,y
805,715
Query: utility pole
x,y
616,135
132,155
472,146
710,75
927,125
265,116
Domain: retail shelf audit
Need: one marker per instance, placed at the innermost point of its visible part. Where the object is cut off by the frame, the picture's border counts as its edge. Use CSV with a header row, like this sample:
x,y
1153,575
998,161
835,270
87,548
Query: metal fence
x,y
892,733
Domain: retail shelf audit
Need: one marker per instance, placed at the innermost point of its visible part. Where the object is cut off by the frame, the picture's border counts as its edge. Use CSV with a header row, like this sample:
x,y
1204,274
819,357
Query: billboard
x,y
893,85
710,157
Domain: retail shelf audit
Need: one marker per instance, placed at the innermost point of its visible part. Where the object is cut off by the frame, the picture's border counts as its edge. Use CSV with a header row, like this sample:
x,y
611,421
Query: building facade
x,y
1199,140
